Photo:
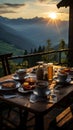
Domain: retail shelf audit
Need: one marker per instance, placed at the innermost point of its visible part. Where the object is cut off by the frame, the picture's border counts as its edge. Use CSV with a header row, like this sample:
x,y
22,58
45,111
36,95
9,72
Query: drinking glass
x,y
50,72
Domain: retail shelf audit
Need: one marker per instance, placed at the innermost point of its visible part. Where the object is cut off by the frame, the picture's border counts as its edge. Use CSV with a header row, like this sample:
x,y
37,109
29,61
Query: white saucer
x,y
16,77
68,80
28,75
24,91
46,92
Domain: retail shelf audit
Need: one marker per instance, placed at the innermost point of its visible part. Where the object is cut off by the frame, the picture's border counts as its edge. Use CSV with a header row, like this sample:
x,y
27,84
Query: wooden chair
x,y
4,108
14,118
64,121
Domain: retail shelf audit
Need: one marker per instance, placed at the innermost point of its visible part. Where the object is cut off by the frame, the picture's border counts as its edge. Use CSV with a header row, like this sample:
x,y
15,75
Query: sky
x,y
32,8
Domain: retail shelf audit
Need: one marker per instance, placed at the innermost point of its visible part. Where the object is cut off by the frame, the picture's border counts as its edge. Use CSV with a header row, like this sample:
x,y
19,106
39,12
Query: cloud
x,y
49,2
9,8
6,11
14,5
42,0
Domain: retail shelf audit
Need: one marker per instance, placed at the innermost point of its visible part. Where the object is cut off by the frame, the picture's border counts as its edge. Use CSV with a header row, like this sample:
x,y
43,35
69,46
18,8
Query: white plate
x,y
10,88
20,89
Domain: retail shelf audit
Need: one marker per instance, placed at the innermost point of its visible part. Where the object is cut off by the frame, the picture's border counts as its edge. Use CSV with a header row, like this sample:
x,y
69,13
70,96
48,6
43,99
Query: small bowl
x,y
27,86
31,80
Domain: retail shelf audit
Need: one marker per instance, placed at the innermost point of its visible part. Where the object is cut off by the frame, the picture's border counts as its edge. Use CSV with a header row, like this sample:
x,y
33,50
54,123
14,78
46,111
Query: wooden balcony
x,y
63,115
57,58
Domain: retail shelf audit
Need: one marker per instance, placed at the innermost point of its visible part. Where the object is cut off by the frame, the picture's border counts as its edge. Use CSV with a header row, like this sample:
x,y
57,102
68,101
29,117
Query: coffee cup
x,y
21,73
62,76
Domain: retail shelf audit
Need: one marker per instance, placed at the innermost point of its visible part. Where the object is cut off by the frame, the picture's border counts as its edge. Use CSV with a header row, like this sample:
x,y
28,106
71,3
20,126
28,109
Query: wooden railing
x,y
5,58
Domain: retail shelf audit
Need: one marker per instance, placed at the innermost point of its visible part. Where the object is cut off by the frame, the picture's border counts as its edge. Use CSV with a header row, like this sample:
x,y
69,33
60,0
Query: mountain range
x,y
27,34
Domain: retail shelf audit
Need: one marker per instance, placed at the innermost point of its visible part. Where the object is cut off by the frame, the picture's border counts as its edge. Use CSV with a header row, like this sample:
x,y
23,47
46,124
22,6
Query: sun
x,y
52,15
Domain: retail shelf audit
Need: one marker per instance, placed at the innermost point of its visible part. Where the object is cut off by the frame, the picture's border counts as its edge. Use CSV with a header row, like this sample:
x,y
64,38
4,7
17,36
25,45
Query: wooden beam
x,y
64,3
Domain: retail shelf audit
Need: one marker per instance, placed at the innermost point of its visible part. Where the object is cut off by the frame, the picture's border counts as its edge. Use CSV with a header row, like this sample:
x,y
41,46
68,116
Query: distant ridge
x,y
22,21
11,36
32,33
29,20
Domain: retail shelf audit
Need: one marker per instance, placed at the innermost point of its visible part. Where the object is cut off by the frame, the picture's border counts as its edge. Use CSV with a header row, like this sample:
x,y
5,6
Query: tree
x,y
40,49
62,44
25,52
48,47
25,60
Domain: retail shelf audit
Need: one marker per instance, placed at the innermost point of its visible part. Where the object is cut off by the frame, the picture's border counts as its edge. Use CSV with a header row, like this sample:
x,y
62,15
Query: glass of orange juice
x,y
50,72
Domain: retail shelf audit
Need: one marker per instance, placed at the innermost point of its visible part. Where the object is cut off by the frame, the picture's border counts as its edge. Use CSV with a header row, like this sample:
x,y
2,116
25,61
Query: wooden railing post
x,y
60,57
5,64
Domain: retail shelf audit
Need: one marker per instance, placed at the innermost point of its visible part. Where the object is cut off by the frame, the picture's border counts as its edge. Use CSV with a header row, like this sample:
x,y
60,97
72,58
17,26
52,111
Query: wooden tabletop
x,y
40,108
24,102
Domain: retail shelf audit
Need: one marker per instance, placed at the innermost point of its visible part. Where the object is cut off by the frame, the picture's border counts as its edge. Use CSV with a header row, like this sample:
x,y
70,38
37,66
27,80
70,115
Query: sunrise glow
x,y
52,15
33,8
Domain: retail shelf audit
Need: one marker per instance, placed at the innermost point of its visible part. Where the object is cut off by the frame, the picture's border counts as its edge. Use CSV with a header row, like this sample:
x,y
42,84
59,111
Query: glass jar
x,y
40,71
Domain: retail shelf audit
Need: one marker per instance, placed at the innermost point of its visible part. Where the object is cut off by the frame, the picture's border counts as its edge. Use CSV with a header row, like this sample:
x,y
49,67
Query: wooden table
x,y
39,109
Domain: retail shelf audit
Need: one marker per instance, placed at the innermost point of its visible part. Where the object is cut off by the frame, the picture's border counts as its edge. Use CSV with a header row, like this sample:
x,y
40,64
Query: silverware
x,y
10,96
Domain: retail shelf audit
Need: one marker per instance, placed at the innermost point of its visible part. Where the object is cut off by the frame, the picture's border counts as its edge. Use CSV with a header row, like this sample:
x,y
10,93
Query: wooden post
x,y
5,64
70,45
